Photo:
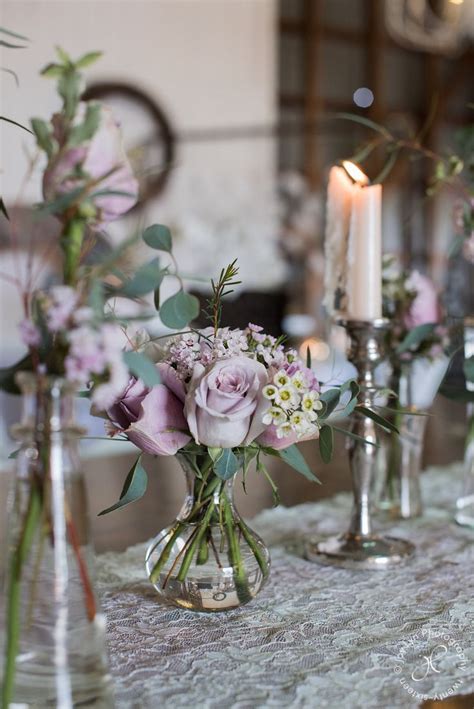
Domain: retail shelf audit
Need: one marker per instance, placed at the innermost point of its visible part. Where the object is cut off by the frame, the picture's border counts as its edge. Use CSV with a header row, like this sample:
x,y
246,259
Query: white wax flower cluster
x,y
294,404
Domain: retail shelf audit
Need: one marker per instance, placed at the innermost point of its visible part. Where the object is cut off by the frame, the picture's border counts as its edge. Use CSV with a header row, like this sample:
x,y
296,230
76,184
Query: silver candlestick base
x,y
359,547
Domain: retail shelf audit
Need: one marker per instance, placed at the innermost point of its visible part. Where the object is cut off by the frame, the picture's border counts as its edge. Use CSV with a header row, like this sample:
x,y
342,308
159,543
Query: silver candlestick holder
x,y
359,547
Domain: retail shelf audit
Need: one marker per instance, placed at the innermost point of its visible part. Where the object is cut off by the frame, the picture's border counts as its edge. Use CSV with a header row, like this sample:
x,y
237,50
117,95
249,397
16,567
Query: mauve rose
x,y
97,157
224,406
425,306
152,419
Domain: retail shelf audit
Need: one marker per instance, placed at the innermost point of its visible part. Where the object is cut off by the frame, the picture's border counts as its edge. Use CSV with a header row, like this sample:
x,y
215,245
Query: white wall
x,y
210,63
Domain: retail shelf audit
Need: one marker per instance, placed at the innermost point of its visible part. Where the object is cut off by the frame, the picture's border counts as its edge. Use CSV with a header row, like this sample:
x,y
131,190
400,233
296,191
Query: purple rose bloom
x,y
102,158
224,406
425,306
152,419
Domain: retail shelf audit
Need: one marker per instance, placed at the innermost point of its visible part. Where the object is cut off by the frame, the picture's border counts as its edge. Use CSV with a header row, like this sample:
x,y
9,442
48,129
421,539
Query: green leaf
x,y
4,30
326,443
226,464
15,123
215,453
142,367
7,374
52,71
88,59
293,458
85,130
365,122
143,281
415,337
43,135
387,168
383,422
158,237
64,57
330,398
14,454
9,45
134,487
179,310
3,209
308,357
354,436
468,368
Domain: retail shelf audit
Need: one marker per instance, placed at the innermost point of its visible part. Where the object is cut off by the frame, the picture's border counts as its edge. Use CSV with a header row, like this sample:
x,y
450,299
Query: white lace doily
x,y
315,636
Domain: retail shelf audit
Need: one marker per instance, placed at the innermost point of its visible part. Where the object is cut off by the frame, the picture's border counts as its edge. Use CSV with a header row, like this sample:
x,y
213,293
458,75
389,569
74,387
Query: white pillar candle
x,y
338,217
364,256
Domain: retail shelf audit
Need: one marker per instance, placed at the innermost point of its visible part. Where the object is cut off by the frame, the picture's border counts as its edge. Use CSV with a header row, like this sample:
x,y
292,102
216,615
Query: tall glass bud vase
x,y
397,489
53,631
465,503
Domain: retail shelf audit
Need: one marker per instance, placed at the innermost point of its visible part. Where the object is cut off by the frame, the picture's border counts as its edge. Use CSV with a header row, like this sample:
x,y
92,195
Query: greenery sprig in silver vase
x,y
417,345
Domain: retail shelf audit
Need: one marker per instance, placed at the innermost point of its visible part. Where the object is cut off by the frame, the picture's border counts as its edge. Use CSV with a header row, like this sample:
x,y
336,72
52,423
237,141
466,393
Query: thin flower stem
x,y
189,541
89,597
164,556
19,556
202,527
235,556
257,552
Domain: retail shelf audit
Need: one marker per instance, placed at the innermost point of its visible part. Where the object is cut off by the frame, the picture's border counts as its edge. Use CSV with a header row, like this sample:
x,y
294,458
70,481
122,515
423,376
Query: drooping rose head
x,y
224,406
102,158
152,419
425,306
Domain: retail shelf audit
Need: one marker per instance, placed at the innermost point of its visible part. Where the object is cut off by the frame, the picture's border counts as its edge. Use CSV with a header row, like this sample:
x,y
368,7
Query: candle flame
x,y
355,172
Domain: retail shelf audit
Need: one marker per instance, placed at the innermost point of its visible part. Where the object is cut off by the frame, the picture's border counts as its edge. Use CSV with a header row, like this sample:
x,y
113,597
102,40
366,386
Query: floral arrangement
x,y
411,302
226,398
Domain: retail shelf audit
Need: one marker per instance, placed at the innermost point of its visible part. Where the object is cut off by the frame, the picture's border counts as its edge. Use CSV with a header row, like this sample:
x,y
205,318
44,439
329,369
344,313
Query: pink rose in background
x,y
224,406
425,307
152,419
103,159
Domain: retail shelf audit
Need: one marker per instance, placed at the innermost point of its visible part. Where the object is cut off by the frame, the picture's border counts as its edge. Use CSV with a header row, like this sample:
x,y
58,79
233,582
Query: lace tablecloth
x,y
315,636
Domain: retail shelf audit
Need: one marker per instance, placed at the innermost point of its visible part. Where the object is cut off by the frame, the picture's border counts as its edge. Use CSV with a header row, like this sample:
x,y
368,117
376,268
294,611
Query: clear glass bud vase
x,y
398,490
208,559
52,631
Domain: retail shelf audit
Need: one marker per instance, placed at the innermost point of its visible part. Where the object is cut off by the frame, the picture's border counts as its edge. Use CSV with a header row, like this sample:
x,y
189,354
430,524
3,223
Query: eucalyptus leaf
x,y
330,398
415,337
293,458
144,280
134,487
226,465
326,443
142,367
179,310
158,237
360,439
383,422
